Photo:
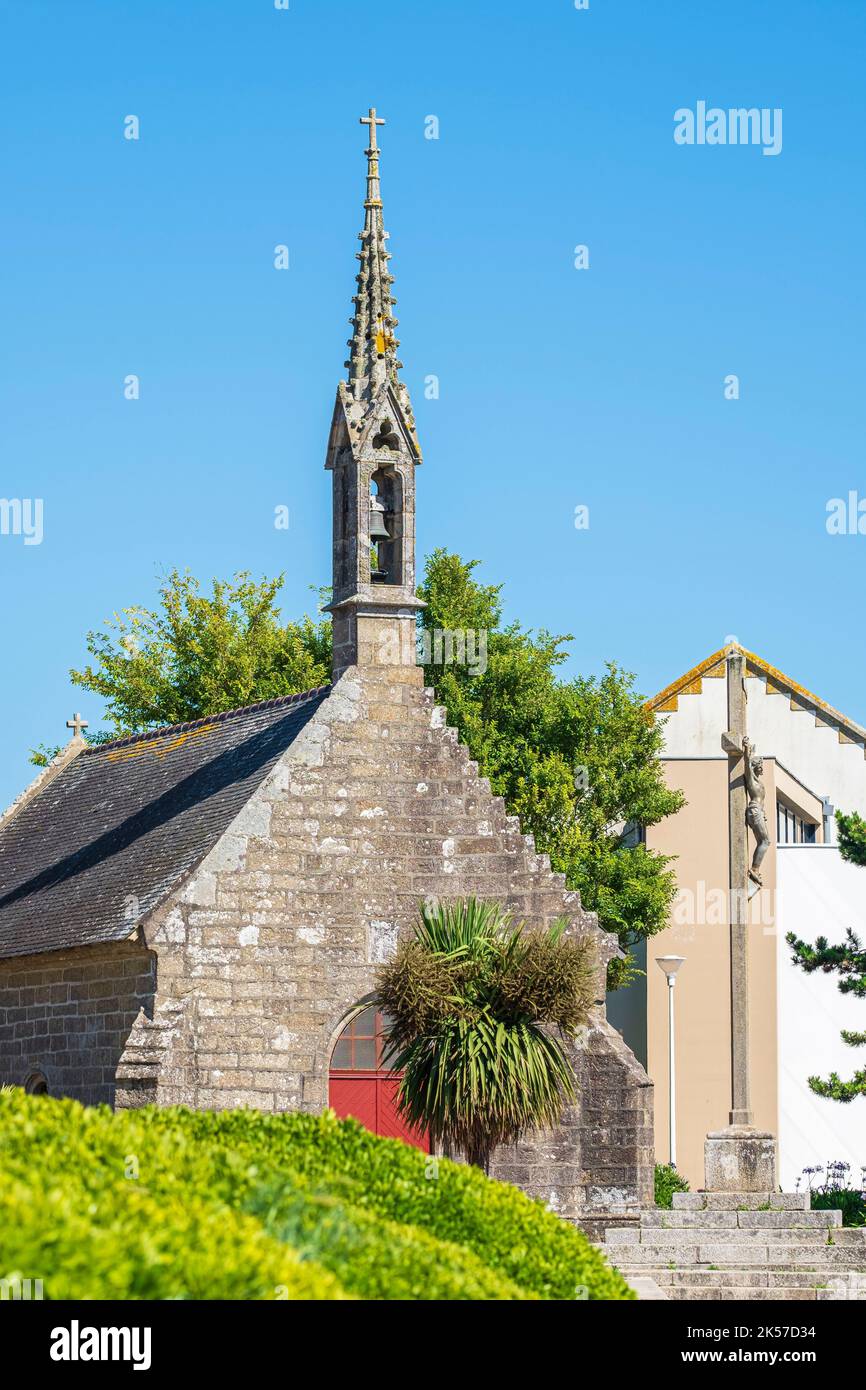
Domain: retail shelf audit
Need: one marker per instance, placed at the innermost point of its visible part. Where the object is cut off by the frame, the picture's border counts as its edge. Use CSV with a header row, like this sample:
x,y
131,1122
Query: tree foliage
x,y
468,998
847,960
577,761
200,653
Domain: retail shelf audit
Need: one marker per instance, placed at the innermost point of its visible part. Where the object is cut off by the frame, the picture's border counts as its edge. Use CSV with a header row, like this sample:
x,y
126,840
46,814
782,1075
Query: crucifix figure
x,y
372,121
76,724
755,816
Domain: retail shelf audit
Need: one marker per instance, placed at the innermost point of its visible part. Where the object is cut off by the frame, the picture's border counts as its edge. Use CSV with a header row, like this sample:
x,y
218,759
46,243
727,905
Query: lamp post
x,y
670,965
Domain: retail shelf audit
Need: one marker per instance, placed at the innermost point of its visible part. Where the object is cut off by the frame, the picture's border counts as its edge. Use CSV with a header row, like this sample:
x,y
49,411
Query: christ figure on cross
x,y
755,815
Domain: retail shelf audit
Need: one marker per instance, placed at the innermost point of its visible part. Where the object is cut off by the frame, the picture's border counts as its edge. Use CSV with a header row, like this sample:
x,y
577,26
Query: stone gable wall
x,y
267,947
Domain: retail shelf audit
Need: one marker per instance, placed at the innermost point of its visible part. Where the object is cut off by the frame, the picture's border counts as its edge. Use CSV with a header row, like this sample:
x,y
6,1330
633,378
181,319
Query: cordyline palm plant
x,y
470,999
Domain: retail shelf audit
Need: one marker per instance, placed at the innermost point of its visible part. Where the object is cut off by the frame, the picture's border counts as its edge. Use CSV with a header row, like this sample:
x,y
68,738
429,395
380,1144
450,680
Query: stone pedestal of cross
x,y
738,1158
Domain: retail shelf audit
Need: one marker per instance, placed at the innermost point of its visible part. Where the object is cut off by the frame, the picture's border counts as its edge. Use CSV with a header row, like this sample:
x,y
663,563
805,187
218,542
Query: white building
x,y
814,759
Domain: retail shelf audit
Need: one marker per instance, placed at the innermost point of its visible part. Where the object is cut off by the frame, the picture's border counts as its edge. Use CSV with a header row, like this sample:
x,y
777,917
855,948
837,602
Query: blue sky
x,y
558,387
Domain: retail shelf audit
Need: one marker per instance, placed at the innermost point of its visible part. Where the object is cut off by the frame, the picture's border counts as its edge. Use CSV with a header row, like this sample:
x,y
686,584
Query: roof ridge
x,y
220,718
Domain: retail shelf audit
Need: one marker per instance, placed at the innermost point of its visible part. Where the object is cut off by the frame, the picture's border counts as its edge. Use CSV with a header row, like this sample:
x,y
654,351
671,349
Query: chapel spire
x,y
373,453
373,346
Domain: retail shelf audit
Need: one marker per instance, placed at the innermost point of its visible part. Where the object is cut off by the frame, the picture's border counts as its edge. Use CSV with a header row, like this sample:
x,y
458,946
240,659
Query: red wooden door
x,y
361,1086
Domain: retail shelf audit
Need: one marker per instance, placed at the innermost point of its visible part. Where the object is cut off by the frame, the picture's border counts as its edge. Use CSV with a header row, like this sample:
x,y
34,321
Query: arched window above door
x,y
362,1045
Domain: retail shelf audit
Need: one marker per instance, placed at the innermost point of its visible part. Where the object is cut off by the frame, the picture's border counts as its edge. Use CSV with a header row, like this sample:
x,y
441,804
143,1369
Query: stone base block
x,y
740,1159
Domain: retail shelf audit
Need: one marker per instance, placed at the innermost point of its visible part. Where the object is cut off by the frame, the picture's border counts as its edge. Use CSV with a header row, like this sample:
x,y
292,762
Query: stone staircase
x,y
742,1246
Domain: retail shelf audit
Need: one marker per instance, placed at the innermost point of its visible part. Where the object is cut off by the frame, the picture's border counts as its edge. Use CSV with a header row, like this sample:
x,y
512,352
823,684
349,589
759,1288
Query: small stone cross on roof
x,y
76,723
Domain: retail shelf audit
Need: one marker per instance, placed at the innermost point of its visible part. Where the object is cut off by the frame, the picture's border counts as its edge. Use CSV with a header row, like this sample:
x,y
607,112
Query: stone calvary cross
x,y
740,1158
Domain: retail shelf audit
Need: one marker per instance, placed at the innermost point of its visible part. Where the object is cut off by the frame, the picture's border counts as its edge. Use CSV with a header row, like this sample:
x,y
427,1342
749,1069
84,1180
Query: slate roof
x,y
119,827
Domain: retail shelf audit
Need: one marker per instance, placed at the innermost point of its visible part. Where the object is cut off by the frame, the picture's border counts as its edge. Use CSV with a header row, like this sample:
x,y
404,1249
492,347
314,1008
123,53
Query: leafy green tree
x,y
200,653
847,960
578,761
468,998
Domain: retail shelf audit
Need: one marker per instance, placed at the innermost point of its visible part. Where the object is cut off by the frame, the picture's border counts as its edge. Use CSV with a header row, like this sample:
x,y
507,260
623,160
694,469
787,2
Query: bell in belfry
x,y
378,529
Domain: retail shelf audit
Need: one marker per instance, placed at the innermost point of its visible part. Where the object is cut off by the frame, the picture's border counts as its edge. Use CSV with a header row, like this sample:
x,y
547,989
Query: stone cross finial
x,y
76,723
372,120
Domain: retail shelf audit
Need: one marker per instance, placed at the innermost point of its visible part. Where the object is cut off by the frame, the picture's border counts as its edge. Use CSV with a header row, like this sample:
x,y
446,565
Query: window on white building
x,y
792,828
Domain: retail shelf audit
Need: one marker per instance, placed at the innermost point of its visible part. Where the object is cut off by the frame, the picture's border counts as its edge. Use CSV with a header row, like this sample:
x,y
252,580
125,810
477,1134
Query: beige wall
x,y
698,836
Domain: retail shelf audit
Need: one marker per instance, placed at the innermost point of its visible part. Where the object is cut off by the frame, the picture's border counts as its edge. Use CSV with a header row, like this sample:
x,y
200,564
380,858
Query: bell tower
x,y
373,453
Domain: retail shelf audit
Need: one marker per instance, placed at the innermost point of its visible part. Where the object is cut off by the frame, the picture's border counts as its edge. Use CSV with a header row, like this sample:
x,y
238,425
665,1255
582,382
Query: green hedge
x,y
172,1203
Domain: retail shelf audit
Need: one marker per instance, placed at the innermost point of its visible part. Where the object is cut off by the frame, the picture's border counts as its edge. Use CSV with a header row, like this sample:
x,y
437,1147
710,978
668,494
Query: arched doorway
x,y
362,1086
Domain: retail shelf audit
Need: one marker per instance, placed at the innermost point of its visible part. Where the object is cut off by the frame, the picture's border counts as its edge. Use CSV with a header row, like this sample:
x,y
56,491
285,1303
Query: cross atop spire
x,y
373,359
76,724
372,120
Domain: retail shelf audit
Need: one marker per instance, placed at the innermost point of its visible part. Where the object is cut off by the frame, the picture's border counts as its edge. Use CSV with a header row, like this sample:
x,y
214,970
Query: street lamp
x,y
670,965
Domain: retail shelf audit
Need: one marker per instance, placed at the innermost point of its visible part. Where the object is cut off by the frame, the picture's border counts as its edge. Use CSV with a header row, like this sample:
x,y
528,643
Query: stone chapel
x,y
192,915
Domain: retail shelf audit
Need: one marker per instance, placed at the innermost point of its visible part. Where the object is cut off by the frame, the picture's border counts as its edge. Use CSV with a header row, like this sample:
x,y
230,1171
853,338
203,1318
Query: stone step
x,y
737,1254
737,1278
737,1285
741,1201
701,1235
745,1295
747,1220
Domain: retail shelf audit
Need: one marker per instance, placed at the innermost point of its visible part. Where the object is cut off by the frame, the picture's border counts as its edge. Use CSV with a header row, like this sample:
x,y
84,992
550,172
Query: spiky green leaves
x,y
471,999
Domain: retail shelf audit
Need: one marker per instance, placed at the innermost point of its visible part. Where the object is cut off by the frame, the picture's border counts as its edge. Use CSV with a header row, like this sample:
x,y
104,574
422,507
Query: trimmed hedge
x,y
172,1203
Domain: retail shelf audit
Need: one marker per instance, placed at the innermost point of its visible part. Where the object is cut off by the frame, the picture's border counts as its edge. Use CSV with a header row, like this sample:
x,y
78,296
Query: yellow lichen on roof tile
x,y
159,747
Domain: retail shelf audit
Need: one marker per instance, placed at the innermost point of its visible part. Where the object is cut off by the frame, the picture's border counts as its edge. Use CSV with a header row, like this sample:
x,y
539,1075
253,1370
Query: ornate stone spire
x,y
373,344
373,452
373,358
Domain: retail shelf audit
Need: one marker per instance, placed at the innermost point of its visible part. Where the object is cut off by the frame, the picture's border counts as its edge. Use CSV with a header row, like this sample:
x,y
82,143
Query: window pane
x,y
364,1058
364,1025
342,1058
